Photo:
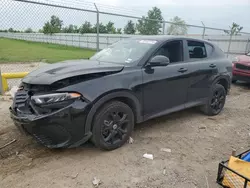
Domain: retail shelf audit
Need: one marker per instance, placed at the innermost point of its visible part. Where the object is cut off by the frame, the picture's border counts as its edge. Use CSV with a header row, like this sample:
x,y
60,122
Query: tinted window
x,y
173,50
209,49
196,50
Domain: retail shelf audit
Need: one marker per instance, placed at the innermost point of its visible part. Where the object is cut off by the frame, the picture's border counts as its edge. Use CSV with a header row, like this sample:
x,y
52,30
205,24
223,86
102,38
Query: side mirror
x,y
159,60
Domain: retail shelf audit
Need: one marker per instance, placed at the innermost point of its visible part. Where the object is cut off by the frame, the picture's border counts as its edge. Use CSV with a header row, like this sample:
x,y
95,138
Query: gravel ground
x,y
197,142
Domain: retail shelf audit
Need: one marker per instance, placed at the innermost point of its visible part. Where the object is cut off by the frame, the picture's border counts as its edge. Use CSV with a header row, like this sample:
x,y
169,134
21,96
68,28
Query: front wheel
x,y
216,101
112,125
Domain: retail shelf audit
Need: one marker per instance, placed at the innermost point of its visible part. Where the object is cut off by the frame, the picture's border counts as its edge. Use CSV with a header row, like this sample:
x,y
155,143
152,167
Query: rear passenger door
x,y
202,68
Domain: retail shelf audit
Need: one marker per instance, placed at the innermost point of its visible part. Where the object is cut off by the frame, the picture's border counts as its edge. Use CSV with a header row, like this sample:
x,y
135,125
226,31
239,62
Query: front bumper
x,y
64,128
242,76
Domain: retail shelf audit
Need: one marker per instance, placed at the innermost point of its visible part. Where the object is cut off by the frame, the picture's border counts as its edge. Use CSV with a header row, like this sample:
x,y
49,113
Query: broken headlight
x,y
53,98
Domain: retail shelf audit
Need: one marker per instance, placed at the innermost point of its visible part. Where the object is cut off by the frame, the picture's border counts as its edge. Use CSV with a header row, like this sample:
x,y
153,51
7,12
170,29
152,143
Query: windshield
x,y
124,51
248,54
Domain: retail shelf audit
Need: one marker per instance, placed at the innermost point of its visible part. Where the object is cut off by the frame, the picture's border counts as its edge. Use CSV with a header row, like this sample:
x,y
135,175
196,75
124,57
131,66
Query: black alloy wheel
x,y
113,124
216,101
114,127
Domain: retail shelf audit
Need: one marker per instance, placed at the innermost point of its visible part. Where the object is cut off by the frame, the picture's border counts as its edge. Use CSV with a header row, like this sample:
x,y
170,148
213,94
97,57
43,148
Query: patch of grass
x,y
24,51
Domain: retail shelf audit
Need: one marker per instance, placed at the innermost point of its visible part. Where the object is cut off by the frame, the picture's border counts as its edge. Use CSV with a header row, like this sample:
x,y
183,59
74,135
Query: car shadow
x,y
157,123
147,126
163,120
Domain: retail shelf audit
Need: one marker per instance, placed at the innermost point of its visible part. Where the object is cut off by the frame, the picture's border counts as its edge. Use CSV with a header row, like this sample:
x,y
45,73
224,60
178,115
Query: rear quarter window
x,y
196,49
209,49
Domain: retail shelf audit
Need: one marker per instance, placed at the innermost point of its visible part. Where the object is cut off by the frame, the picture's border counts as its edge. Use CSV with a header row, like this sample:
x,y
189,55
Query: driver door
x,y
165,87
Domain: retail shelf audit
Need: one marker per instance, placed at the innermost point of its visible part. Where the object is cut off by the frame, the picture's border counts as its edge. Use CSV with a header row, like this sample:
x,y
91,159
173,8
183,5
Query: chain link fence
x,y
89,25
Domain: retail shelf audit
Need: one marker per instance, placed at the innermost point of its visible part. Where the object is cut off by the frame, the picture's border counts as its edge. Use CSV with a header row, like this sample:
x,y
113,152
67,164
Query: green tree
x,y
53,26
65,30
110,27
86,28
177,27
76,29
70,29
47,28
28,30
119,30
234,29
11,30
102,29
148,25
129,28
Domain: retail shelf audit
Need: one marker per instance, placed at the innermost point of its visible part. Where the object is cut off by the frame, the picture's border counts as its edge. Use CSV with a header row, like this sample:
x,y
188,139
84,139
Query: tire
x,y
216,101
112,125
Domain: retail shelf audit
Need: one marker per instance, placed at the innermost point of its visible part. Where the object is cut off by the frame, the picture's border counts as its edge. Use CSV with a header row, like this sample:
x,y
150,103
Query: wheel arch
x,y
224,81
125,96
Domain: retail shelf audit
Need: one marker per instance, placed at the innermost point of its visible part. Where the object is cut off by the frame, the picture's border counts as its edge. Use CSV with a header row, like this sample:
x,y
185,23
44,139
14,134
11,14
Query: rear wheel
x,y
216,101
112,125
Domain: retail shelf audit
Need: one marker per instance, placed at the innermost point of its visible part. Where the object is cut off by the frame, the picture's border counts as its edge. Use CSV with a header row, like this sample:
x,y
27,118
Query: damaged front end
x,y
54,118
50,104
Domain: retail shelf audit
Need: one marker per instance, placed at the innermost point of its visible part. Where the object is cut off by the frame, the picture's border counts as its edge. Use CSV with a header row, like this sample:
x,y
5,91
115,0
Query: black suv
x,y
136,79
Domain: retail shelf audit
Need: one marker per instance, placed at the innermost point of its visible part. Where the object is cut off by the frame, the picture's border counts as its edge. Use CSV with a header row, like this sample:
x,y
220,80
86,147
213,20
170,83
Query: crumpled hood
x,y
49,74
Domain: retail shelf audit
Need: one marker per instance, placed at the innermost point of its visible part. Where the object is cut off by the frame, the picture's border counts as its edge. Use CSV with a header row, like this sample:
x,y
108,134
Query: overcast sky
x,y
175,2
214,13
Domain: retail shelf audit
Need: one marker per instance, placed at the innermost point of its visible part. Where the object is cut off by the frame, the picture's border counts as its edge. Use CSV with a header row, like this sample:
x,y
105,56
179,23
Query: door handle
x,y
182,70
212,65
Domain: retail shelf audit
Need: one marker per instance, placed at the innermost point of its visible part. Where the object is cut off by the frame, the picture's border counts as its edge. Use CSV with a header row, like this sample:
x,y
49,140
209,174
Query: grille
x,y
51,135
242,67
21,97
21,102
44,140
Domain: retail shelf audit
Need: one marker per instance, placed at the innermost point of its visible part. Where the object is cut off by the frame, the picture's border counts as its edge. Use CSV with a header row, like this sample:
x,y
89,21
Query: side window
x,y
196,49
209,49
173,50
